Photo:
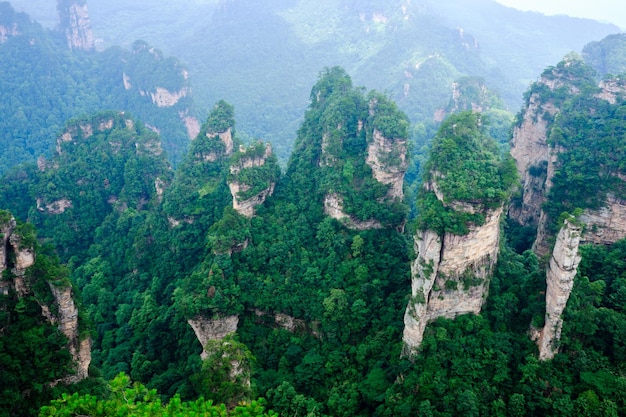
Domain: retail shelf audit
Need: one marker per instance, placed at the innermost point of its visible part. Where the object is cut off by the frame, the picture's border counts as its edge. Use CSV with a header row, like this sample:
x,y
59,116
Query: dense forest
x,y
143,274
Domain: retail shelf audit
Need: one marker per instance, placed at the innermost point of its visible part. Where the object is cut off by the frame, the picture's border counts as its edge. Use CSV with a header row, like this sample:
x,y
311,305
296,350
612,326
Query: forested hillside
x,y
44,84
307,292
473,264
262,57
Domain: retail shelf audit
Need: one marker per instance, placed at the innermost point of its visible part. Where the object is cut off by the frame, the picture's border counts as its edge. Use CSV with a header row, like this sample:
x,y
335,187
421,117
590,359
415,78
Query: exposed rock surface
x,y
164,98
212,329
333,207
246,207
529,148
606,225
450,275
7,32
66,317
560,279
387,158
75,24
67,320
55,207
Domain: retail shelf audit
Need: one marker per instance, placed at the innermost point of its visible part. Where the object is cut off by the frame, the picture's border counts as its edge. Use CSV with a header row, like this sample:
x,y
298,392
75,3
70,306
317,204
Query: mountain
x,y
270,53
356,281
49,77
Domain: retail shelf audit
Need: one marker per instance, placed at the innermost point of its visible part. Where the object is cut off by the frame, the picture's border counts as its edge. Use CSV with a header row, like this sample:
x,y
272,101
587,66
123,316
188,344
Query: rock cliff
x,y
67,320
467,183
253,175
560,280
450,275
387,158
531,152
537,161
212,329
74,22
18,257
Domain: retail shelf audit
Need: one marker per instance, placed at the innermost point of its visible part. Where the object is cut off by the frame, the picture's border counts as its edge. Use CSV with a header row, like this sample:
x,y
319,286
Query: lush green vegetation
x,y
45,84
136,400
33,351
466,167
320,305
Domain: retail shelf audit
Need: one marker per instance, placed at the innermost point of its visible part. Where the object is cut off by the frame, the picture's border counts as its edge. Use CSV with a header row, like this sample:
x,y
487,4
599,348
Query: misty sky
x,y
613,11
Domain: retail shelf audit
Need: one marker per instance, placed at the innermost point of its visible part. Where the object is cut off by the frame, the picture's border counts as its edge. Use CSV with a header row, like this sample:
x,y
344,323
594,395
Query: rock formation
x,y
333,207
387,158
65,316
67,321
212,329
560,279
249,183
606,225
450,275
74,22
458,237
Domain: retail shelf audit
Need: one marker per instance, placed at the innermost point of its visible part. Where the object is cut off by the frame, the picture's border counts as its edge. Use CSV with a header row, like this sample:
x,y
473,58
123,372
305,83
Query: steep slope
x,y
103,163
457,245
571,162
74,22
43,340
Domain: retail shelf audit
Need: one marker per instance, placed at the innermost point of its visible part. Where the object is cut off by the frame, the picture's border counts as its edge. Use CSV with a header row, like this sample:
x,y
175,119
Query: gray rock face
x,y
75,24
212,329
66,317
560,279
450,275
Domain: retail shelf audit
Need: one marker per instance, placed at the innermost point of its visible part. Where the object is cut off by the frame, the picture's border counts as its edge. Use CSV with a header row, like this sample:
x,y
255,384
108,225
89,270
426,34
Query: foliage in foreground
x,y
134,399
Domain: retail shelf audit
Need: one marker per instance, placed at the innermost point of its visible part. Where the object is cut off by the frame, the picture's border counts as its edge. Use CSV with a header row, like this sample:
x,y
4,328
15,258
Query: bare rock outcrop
x,y
67,321
74,22
531,152
606,225
333,207
255,157
450,275
560,281
8,31
212,329
165,98
66,315
387,158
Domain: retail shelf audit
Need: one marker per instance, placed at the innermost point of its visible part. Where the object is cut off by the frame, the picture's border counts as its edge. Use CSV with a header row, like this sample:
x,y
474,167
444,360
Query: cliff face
x,y
560,280
450,275
67,320
466,185
252,178
17,257
74,22
537,161
212,329
387,158
531,152
606,225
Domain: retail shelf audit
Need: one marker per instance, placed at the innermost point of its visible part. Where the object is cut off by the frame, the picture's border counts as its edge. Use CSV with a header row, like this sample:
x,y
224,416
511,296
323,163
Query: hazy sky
x,y
613,11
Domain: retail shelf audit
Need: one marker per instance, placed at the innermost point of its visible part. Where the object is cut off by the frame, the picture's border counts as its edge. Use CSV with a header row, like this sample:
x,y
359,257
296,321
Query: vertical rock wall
x,y
74,22
450,275
560,281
